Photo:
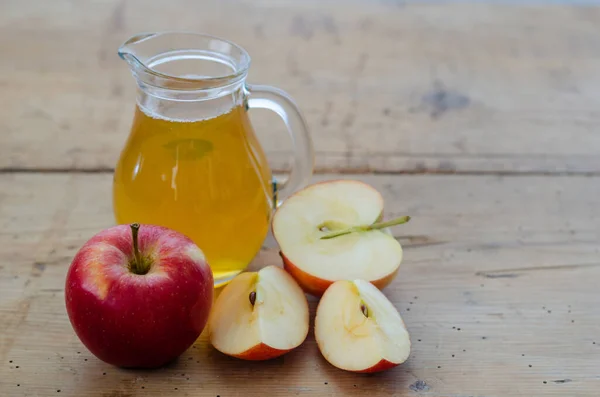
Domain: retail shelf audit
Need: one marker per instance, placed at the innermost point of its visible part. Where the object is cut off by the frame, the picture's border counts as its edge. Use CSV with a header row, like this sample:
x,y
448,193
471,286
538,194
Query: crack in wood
x,y
325,170
501,275
511,273
414,241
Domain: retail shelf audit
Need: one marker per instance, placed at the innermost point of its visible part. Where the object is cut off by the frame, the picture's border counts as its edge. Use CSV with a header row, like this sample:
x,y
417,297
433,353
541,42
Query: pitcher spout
x,y
128,51
184,61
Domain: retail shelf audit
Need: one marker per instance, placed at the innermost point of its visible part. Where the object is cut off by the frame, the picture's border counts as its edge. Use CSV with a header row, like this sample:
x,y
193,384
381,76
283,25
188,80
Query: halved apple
x,y
358,329
302,221
259,315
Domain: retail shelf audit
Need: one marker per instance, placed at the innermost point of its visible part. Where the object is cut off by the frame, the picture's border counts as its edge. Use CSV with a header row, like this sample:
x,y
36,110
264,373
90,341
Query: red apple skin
x,y
309,283
139,321
261,352
317,286
382,365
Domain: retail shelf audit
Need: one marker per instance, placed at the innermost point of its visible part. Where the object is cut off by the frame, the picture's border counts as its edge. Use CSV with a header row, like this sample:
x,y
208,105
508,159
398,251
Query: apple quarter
x,y
358,329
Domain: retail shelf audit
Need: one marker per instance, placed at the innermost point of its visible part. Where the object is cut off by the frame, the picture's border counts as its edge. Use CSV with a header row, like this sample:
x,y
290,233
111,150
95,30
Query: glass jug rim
x,y
141,69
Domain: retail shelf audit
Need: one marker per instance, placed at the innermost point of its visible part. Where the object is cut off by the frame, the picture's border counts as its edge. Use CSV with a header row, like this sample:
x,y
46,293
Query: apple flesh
x,y
138,301
259,315
317,211
358,329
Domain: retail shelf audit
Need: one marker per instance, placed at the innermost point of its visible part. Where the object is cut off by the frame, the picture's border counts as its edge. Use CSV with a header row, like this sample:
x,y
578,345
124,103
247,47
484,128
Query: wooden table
x,y
480,120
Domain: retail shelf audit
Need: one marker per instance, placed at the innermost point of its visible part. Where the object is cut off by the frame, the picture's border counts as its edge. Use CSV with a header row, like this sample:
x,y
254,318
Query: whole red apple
x,y
139,295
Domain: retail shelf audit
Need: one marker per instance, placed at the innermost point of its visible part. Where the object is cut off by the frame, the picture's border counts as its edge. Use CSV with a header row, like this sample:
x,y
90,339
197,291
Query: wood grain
x,y
386,86
498,289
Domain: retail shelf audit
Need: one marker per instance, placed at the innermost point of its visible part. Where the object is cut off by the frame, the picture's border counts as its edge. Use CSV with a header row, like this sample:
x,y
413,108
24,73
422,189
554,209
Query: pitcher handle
x,y
277,100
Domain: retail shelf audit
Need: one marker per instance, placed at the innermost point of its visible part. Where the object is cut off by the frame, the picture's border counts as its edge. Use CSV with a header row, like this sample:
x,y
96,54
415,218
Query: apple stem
x,y
252,297
138,266
365,228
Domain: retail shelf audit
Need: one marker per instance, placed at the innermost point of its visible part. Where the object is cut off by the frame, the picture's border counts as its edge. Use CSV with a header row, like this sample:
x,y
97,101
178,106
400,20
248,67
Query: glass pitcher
x,y
192,161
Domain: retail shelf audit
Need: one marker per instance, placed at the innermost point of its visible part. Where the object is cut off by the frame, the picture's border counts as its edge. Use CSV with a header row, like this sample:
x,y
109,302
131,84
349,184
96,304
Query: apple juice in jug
x,y
197,177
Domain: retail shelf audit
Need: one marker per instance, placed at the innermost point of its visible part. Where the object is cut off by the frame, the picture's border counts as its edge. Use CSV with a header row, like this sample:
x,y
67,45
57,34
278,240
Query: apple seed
x,y
364,310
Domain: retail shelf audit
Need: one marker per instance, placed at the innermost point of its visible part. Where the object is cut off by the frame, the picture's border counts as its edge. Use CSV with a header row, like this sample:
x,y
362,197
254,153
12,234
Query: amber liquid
x,y
208,179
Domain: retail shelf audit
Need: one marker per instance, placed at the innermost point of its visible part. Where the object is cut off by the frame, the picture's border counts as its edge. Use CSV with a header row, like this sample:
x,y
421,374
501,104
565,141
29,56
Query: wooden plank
x,y
385,85
498,291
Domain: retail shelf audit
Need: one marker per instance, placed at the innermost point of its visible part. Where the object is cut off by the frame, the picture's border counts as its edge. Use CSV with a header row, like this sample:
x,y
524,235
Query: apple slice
x,y
358,329
259,315
336,207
